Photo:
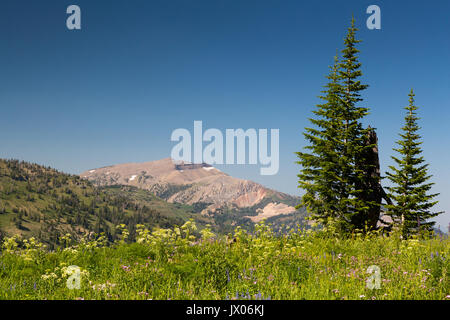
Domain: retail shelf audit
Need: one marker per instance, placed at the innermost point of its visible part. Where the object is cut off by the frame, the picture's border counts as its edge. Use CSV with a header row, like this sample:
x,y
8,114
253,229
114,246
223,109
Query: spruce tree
x,y
321,173
356,191
411,210
334,174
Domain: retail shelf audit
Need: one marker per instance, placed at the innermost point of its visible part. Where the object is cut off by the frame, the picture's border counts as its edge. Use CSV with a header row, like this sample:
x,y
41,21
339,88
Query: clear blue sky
x,y
114,91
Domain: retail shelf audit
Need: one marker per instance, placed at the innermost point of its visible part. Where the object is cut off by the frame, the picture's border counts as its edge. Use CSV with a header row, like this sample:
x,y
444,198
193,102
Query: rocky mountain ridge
x,y
180,182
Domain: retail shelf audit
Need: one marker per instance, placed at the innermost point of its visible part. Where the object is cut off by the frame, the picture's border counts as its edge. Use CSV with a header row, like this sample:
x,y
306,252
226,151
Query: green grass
x,y
173,264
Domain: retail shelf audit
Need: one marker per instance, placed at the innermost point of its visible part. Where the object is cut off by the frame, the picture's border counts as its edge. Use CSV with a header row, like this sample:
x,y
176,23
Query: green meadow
x,y
186,263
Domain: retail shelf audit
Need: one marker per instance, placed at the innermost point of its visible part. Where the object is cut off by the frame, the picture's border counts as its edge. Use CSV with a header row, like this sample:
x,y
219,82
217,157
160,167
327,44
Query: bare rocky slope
x,y
209,189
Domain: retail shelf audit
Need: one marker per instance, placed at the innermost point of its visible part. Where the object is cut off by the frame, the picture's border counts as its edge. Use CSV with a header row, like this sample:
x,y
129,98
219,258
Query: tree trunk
x,y
373,191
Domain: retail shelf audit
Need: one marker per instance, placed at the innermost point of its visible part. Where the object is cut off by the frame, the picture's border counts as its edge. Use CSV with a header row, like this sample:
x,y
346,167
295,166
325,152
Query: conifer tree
x,y
354,148
411,210
320,174
334,173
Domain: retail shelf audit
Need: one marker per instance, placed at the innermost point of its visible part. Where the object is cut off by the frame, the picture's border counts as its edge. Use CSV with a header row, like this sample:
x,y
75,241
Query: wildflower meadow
x,y
190,264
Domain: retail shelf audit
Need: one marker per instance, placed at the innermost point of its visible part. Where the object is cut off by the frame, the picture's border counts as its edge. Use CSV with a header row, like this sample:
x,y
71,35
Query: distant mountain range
x,y
42,202
200,185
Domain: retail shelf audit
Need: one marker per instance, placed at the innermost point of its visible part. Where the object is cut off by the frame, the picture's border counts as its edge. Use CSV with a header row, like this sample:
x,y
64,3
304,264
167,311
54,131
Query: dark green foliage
x,y
200,206
171,190
335,173
410,189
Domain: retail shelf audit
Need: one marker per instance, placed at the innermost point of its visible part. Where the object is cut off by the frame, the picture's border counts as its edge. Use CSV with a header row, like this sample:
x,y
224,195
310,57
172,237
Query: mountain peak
x,y
190,183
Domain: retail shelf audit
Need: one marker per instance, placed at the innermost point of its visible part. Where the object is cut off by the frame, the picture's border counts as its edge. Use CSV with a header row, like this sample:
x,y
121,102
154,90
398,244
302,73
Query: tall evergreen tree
x,y
354,164
321,173
411,210
334,175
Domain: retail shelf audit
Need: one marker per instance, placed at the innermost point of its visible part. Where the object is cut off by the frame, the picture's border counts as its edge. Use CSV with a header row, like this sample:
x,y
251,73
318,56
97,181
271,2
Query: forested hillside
x,y
42,202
